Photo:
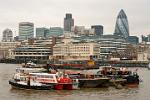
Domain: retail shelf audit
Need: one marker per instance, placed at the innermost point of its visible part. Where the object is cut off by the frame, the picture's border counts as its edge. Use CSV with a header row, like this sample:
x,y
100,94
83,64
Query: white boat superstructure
x,y
41,80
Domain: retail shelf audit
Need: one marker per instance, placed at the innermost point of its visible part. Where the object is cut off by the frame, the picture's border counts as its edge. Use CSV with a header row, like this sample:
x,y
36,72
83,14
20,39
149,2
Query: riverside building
x,y
6,49
109,45
39,50
76,51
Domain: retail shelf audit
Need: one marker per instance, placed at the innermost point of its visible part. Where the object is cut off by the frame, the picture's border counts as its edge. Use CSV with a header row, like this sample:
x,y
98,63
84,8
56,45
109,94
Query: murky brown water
x,y
6,93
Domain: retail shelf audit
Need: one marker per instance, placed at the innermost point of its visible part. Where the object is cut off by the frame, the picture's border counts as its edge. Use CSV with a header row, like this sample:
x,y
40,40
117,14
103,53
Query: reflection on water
x,y
7,93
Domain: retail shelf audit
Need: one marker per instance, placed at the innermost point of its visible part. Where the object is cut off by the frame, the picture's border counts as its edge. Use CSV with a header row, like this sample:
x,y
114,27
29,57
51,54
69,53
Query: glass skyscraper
x,y
26,30
98,29
55,31
122,26
42,32
68,22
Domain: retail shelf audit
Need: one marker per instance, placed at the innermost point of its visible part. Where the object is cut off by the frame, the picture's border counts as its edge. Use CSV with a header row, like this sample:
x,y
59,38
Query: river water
x,y
7,93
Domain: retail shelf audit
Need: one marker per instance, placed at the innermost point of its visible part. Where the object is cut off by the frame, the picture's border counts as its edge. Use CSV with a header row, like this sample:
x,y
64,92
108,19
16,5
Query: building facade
x,y
39,50
55,31
111,46
68,22
42,32
78,30
76,51
7,35
98,29
145,38
122,26
26,30
133,40
81,30
6,47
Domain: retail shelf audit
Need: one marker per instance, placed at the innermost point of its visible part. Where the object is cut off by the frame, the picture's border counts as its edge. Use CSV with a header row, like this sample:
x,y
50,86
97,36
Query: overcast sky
x,y
46,13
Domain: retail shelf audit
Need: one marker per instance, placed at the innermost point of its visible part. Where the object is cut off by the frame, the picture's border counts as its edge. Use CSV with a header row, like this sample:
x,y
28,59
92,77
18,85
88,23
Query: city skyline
x,y
48,13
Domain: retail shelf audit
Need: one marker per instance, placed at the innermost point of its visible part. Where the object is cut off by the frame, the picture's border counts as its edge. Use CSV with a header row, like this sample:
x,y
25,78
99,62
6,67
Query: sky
x,y
49,13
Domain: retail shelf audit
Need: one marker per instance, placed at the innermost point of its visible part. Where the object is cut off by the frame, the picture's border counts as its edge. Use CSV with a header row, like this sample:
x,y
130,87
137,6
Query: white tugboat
x,y
43,81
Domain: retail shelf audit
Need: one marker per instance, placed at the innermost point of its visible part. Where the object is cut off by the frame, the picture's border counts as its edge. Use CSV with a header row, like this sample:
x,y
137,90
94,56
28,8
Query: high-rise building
x,y
79,30
98,29
145,38
55,31
26,30
7,35
133,39
42,32
122,26
68,22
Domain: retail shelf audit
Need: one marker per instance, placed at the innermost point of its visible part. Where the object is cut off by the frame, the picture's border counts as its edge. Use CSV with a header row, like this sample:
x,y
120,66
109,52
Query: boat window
x,y
50,76
39,76
46,77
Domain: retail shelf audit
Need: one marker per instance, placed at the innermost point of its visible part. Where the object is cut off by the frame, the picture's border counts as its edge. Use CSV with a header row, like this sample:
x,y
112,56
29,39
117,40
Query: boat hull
x,y
93,83
14,84
133,85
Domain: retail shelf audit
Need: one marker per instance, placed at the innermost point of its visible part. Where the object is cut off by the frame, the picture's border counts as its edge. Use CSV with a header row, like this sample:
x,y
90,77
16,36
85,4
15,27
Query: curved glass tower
x,y
26,30
122,26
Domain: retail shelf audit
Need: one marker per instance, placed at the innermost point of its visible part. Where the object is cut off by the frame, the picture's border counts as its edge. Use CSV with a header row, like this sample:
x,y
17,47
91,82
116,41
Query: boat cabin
x,y
44,77
28,70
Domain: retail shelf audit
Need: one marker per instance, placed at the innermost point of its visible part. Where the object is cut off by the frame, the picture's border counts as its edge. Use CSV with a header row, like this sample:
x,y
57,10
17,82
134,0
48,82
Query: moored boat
x,y
93,82
90,78
132,80
116,75
126,77
42,81
24,85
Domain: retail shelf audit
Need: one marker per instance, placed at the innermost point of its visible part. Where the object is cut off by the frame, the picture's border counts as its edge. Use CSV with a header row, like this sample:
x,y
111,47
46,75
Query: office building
x,y
42,32
133,40
144,38
55,31
68,22
40,50
6,47
26,30
122,26
81,30
98,29
76,51
7,35
78,30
